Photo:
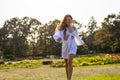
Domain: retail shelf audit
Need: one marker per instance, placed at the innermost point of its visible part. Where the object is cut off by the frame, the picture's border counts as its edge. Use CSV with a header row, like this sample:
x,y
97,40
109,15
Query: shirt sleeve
x,y
57,35
78,39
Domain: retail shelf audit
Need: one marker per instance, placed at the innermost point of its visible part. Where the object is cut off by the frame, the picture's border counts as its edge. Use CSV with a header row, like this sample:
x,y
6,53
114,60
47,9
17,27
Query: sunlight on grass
x,y
98,72
104,77
22,64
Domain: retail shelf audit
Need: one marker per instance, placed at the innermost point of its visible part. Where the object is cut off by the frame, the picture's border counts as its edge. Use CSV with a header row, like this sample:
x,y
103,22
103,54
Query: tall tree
x,y
108,37
91,28
46,44
15,33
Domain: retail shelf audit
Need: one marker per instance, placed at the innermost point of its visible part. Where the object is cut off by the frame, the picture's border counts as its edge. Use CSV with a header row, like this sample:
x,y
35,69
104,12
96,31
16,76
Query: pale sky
x,y
46,10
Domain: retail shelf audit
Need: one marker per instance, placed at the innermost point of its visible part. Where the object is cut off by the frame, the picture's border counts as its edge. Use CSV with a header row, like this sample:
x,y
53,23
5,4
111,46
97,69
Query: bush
x,y
91,60
1,62
58,64
23,64
9,57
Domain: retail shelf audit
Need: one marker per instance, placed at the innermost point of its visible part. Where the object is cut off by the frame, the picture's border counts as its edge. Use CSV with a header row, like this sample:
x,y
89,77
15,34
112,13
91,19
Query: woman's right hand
x,y
66,37
59,39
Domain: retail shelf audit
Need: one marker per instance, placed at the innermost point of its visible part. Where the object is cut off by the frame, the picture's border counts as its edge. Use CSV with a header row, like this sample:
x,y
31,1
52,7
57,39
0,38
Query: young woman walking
x,y
67,34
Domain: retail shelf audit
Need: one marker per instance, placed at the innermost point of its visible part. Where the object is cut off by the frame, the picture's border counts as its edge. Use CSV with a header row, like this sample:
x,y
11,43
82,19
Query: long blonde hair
x,y
63,25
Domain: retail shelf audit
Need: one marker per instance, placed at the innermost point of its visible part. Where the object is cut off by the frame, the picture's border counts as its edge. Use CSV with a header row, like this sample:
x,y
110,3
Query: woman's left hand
x,y
85,46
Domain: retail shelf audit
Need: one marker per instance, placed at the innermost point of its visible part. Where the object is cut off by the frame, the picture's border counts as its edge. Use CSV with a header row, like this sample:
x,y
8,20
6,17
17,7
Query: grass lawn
x,y
98,72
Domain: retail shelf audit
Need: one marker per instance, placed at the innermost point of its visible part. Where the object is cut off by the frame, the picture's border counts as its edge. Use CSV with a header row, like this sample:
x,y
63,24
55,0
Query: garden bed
x,y
91,60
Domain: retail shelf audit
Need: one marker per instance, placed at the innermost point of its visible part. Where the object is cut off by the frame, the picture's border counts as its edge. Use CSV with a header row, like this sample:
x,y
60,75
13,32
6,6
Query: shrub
x,y
58,64
91,60
1,62
9,57
23,64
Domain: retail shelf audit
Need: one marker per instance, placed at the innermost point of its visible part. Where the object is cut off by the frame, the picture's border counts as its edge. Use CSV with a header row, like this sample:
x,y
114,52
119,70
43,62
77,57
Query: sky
x,y
47,10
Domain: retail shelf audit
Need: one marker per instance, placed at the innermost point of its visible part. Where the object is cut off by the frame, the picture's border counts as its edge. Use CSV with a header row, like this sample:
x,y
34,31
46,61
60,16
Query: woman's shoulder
x,y
74,27
61,29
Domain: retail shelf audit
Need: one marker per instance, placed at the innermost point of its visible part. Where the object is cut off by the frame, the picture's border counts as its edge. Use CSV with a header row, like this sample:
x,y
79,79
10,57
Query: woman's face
x,y
68,21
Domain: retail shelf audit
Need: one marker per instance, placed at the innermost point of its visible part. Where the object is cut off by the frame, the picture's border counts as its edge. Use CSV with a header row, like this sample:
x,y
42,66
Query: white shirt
x,y
69,46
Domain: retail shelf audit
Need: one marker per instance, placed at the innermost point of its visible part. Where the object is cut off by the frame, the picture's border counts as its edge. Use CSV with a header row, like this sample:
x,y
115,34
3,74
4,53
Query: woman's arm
x,y
80,41
57,36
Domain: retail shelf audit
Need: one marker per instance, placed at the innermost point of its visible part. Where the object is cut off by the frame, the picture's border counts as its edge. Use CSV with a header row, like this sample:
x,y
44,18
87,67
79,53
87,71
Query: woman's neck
x,y
69,26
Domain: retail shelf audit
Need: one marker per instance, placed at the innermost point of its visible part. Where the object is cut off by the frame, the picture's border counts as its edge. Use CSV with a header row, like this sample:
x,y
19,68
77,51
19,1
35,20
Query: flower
x,y
108,56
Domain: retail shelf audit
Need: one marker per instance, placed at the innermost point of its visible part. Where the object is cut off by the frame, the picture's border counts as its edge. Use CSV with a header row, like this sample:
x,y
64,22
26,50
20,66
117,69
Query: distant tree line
x,y
28,36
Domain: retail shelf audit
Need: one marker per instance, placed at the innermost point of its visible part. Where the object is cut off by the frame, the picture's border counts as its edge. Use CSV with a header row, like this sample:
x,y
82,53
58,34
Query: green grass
x,y
98,72
104,77
83,70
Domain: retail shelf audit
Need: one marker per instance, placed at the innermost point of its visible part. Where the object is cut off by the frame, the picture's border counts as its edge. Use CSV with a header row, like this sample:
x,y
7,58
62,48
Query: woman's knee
x,y
69,62
71,56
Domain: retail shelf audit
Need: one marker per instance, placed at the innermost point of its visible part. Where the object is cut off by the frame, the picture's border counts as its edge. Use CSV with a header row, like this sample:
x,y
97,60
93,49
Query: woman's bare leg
x,y
70,67
66,67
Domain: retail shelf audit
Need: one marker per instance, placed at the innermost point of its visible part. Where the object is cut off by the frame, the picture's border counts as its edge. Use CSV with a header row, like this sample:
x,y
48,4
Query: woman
x,y
67,34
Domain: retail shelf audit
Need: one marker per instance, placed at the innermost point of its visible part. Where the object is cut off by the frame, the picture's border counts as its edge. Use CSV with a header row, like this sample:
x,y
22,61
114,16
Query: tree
x,y
46,44
91,28
15,33
108,37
